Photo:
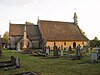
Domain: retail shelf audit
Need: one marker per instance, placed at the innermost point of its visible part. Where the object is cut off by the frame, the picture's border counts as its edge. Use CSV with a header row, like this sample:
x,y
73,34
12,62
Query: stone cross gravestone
x,y
94,56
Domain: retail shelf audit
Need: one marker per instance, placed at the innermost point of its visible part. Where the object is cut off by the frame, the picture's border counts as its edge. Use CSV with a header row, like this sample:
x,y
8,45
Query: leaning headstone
x,y
26,73
94,57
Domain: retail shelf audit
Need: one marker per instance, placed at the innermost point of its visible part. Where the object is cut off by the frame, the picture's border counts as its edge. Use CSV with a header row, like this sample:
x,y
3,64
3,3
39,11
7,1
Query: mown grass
x,y
48,66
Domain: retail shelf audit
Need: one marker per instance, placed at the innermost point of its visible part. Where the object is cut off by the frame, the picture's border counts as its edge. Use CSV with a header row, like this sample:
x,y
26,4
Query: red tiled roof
x,y
55,30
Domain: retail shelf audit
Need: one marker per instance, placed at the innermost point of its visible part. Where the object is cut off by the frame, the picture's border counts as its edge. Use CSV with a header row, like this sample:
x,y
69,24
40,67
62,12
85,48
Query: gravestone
x,y
78,53
82,49
44,49
17,62
61,52
55,50
87,48
98,51
18,47
69,49
47,50
94,56
26,73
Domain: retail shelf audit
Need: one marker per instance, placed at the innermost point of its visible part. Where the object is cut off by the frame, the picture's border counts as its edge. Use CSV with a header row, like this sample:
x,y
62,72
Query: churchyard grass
x,y
52,66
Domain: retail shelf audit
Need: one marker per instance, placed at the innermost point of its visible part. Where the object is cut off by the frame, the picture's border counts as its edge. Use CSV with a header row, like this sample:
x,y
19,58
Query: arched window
x,y
74,45
82,43
64,43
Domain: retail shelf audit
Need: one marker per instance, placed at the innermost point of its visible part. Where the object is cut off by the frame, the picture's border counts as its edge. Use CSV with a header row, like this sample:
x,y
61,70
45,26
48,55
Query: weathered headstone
x,y
94,56
47,50
82,49
78,53
55,49
13,60
17,62
87,48
18,47
61,52
44,49
98,51
69,49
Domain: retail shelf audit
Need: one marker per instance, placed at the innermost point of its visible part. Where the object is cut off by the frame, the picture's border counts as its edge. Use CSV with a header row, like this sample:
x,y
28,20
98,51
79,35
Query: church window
x,y
64,43
82,43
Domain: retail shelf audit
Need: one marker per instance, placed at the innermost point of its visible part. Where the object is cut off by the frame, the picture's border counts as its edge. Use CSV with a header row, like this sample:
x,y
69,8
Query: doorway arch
x,y
74,45
20,44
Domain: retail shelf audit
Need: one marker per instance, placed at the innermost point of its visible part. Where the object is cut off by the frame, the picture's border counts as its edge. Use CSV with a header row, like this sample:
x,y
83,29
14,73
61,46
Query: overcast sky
x,y
20,11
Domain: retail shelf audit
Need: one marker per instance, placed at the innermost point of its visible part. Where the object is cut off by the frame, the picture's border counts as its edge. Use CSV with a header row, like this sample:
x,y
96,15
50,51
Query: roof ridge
x,y
16,24
24,24
81,33
55,21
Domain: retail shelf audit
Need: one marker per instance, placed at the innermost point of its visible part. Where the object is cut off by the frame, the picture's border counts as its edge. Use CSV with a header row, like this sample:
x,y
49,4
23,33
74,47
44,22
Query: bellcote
x,y
75,19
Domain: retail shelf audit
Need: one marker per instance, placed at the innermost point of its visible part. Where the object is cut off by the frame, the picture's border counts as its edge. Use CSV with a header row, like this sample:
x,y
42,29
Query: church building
x,y
46,33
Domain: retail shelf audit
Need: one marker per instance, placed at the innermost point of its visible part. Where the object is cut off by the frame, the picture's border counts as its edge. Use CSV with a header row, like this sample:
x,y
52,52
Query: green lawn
x,y
55,66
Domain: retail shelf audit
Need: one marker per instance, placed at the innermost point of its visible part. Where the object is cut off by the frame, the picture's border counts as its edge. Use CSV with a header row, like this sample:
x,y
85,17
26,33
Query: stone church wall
x,y
65,44
35,44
